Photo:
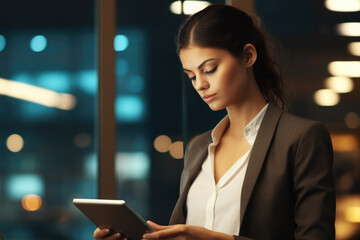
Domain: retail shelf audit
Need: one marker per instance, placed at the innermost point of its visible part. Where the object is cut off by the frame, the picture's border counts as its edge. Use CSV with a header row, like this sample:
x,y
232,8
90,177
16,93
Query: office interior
x,y
52,104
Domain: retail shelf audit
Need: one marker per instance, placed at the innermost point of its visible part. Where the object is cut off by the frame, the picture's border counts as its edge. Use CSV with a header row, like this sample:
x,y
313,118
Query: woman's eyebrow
x,y
202,64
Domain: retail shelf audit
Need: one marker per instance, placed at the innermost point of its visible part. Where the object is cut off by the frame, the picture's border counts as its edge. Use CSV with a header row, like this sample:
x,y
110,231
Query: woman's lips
x,y
208,97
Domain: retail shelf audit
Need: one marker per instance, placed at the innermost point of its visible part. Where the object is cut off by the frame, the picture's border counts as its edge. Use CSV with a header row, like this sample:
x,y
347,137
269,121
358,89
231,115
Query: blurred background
x,y
49,104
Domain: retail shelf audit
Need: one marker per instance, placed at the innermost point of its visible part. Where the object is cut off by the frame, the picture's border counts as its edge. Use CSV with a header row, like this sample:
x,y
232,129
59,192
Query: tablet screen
x,y
115,215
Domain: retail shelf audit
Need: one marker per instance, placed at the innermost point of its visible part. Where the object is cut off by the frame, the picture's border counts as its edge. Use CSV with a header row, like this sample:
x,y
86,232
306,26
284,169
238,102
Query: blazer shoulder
x,y
292,123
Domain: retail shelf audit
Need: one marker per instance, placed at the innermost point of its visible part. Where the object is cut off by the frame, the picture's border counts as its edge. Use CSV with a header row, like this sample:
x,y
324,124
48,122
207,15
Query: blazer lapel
x,y
197,153
258,154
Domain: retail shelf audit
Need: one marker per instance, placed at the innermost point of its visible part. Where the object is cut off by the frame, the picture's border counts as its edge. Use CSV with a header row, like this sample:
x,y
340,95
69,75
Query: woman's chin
x,y
216,107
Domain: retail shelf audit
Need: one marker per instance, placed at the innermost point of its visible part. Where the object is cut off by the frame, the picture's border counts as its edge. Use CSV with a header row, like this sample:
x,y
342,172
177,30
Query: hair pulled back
x,y
228,28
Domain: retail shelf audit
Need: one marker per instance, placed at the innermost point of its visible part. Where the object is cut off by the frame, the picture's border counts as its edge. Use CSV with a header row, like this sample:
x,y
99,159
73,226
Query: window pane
x,y
47,106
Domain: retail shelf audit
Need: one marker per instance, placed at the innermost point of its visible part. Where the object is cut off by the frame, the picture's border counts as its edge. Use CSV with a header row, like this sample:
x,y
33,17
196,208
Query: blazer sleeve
x,y
313,185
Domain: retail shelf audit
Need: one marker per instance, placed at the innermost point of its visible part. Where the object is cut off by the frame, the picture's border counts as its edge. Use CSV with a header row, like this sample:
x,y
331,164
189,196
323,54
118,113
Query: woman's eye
x,y
192,78
211,71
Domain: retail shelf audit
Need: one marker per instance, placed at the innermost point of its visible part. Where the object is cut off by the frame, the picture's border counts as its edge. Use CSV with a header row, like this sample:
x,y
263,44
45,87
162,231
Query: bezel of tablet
x,y
116,215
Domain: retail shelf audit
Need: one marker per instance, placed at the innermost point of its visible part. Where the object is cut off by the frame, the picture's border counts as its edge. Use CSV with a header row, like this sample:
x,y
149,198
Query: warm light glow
x,y
175,7
162,143
354,48
352,214
31,202
347,216
350,29
339,84
15,143
344,142
345,68
352,120
176,150
344,229
326,97
343,5
189,7
37,95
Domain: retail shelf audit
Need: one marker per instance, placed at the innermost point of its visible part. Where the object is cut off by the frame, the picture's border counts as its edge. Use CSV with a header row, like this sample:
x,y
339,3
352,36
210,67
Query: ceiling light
x,y
354,48
350,29
343,5
339,84
188,7
345,68
326,97
36,94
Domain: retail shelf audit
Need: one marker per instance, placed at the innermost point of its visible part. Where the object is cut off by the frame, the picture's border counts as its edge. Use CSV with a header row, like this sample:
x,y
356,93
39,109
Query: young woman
x,y
261,173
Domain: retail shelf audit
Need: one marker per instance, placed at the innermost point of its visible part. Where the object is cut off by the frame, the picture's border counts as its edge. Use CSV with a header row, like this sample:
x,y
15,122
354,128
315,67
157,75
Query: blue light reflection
x,y
38,43
19,185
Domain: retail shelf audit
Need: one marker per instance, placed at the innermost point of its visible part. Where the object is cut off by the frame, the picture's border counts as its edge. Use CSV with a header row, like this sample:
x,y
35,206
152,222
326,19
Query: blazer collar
x,y
258,153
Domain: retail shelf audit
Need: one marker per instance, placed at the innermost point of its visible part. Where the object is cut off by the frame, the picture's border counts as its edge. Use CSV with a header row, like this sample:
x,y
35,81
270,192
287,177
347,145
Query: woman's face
x,y
219,78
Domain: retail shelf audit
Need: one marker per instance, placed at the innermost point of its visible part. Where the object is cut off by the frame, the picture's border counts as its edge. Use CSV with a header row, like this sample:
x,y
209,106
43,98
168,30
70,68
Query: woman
x,y
261,173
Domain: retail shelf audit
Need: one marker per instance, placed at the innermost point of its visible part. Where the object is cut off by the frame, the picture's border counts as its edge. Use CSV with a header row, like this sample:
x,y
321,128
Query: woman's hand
x,y
181,231
106,234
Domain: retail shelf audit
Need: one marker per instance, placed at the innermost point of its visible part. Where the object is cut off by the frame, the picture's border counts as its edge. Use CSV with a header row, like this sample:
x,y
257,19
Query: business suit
x,y
288,190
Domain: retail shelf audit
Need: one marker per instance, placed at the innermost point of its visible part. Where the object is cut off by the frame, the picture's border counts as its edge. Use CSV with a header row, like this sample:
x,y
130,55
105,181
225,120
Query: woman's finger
x,y
167,232
106,234
157,227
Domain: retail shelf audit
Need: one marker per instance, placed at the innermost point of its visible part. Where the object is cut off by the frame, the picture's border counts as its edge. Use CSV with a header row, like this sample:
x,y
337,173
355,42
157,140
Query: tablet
x,y
115,215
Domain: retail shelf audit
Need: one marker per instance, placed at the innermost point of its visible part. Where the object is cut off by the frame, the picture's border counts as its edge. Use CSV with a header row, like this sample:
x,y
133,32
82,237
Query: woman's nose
x,y
201,83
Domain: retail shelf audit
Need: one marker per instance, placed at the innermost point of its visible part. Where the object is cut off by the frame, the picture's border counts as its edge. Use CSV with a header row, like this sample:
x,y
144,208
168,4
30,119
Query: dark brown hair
x,y
229,28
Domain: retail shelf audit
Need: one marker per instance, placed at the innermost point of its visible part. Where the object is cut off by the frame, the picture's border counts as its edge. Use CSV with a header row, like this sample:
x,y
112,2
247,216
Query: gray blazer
x,y
288,190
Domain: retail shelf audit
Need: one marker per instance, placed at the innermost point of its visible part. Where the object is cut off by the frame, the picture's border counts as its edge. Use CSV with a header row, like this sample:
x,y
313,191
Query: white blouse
x,y
217,206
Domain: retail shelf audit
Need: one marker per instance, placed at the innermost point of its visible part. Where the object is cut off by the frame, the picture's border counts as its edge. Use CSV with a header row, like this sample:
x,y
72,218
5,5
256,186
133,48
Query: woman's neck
x,y
241,115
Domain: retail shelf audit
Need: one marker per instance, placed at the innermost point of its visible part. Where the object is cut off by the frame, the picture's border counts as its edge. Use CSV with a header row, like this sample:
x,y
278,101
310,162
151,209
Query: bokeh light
x,y
345,68
188,7
31,202
339,84
121,42
326,97
176,150
82,140
352,120
38,43
354,47
15,143
162,143
2,43
343,5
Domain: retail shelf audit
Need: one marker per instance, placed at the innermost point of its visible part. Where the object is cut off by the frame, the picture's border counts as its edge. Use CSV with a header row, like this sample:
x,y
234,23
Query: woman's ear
x,y
249,54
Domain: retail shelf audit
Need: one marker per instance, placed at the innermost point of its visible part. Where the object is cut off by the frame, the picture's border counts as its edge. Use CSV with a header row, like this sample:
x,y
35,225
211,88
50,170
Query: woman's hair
x,y
228,28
